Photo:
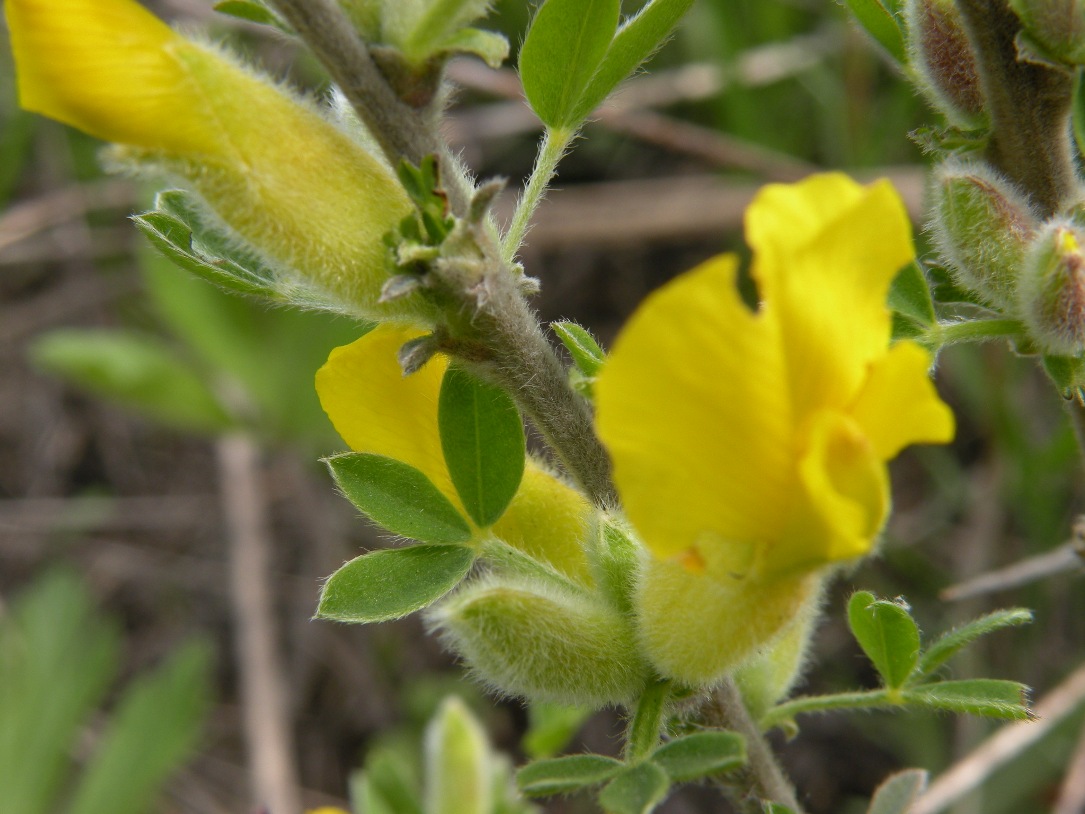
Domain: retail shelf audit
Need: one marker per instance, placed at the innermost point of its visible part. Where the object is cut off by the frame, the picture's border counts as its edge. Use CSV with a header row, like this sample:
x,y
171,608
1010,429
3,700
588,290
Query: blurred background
x,y
154,430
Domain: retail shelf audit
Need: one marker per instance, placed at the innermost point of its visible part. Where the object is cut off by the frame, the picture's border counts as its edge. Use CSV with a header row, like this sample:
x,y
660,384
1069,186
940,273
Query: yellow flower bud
x,y
1052,289
283,178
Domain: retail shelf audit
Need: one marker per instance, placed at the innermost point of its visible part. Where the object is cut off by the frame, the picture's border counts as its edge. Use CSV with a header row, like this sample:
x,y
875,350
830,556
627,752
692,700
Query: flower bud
x,y
543,642
1052,289
1057,26
458,763
944,61
982,227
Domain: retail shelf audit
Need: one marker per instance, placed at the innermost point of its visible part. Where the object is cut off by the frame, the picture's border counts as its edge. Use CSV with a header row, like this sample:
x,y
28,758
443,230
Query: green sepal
x,y
398,497
910,295
584,350
614,557
137,371
888,635
987,697
949,644
899,792
637,790
174,239
1067,373
565,45
635,41
482,437
392,583
701,754
489,46
564,774
880,23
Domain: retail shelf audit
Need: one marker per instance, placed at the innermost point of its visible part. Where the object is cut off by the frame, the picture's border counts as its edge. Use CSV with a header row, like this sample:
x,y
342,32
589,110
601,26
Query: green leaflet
x,y
398,497
482,437
391,583
888,635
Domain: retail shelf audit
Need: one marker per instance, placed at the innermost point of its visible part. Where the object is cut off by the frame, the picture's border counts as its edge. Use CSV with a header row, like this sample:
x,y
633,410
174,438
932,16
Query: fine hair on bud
x,y
944,62
543,642
1052,289
981,226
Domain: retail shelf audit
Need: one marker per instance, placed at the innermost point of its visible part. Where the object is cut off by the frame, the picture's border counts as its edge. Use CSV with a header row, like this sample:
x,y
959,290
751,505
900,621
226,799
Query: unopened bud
x,y
943,58
1056,26
543,642
982,227
1052,289
459,763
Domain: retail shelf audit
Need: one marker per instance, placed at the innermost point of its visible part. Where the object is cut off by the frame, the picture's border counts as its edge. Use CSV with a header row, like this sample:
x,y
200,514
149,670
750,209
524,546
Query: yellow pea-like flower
x,y
750,446
376,409
274,170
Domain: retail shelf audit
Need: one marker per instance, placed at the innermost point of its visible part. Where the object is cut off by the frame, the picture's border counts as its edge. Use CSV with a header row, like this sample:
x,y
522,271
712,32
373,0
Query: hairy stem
x,y
976,330
551,149
402,131
512,351
642,734
1029,106
824,703
726,710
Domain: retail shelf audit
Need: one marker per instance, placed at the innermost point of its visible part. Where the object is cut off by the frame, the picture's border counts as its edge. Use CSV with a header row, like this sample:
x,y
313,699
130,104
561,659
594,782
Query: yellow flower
x,y
271,167
750,447
376,409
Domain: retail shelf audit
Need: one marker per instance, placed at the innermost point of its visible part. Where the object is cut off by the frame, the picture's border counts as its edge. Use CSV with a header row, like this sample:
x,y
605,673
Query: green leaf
x,y
948,644
563,774
252,12
551,727
636,40
483,441
1078,112
881,25
700,754
637,790
136,371
910,295
489,46
777,808
587,355
155,728
989,697
897,794
565,45
391,583
398,497
387,785
888,635
57,658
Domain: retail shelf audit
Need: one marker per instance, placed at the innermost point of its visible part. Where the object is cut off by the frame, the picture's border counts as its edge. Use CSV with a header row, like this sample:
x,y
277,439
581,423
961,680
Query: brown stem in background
x,y
264,706
1029,106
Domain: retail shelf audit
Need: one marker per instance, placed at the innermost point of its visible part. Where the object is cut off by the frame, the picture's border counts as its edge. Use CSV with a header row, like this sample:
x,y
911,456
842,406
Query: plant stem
x,y
551,149
498,336
268,733
823,703
1029,106
976,330
642,735
402,131
726,710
